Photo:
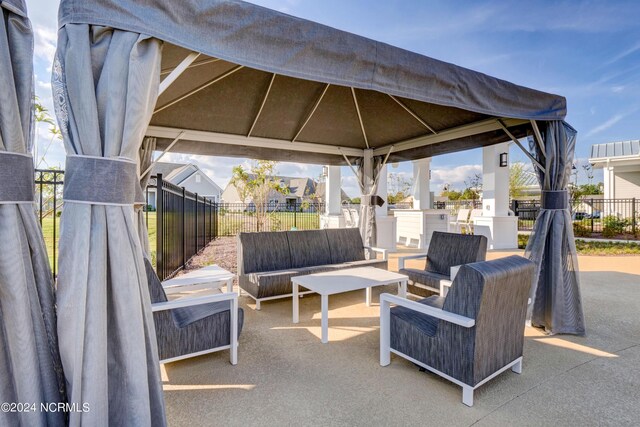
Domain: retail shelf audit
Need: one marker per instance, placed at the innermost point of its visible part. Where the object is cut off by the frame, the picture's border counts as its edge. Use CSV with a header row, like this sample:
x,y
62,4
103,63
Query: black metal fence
x,y
234,218
185,223
455,205
49,184
591,216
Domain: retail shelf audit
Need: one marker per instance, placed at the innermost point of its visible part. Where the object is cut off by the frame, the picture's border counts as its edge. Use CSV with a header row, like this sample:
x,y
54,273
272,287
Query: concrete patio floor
x,y
285,376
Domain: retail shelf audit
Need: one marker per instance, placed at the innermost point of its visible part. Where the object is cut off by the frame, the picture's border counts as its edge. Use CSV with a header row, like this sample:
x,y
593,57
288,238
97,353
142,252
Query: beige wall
x,y
627,185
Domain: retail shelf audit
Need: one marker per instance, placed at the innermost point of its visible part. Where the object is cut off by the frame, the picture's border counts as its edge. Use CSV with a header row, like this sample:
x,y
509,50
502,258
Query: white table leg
x,y
402,291
296,304
233,340
230,285
324,301
368,296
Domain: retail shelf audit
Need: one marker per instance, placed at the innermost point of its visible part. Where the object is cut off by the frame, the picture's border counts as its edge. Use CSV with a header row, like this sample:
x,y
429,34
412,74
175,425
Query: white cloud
x,y
45,40
606,125
455,176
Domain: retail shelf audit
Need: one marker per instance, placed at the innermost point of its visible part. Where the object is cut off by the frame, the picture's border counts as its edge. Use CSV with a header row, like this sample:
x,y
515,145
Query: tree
x,y
473,187
258,184
519,178
398,188
41,115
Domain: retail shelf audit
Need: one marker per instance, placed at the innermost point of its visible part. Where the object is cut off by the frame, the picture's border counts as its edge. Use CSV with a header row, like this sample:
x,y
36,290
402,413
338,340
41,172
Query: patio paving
x,y
285,376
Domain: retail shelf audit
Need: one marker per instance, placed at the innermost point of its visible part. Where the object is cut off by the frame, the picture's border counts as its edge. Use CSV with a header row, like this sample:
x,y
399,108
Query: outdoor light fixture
x,y
325,171
504,160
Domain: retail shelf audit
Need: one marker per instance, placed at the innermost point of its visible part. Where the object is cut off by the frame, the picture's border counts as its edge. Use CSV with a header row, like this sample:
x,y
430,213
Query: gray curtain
x,y
30,368
105,84
145,160
369,189
556,302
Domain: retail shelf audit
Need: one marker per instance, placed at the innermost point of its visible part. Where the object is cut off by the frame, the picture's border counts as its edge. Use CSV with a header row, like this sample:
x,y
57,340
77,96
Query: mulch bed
x,y
221,251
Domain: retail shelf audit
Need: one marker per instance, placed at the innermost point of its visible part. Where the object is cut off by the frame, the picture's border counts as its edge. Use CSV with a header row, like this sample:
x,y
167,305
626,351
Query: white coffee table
x,y
335,282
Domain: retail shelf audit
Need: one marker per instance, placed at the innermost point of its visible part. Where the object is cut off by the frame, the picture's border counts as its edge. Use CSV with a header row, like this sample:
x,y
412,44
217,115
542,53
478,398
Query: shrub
x,y
580,230
613,226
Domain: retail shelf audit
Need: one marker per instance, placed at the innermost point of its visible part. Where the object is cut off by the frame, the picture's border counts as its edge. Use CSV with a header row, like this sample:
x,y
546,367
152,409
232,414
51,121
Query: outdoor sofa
x,y
470,336
193,326
446,250
268,260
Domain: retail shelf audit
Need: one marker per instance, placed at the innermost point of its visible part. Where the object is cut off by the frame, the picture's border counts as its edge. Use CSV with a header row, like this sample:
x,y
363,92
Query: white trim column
x,y
332,217
386,225
422,184
500,228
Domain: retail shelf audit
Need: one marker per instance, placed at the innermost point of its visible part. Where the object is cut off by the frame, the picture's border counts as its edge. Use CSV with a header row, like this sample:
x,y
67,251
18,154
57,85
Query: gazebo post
x,y
422,184
500,228
332,216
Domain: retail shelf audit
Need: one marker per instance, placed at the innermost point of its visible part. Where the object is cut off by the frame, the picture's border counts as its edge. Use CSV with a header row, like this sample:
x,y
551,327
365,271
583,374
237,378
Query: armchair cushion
x,y
402,319
449,249
426,278
185,316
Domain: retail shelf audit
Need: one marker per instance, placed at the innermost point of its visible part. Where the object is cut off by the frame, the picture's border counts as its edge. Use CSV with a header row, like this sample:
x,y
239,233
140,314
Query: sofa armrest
x,y
384,252
402,259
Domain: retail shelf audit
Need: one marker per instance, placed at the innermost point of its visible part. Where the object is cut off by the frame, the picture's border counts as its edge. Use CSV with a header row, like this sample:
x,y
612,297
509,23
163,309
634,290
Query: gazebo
x,y
228,78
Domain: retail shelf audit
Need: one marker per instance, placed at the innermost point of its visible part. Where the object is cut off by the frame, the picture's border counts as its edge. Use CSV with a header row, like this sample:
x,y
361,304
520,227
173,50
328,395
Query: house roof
x,y
177,173
615,149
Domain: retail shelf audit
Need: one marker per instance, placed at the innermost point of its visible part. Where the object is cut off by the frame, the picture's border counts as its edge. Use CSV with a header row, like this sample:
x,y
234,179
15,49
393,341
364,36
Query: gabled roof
x,y
615,149
177,173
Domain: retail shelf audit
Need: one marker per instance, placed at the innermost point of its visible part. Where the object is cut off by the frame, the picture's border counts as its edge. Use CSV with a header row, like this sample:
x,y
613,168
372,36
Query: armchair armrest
x,y
387,299
227,296
384,252
385,320
402,259
187,302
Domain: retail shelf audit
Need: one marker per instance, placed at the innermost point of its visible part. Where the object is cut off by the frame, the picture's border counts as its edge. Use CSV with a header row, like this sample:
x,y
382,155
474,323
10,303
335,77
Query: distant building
x,y
620,162
299,190
189,176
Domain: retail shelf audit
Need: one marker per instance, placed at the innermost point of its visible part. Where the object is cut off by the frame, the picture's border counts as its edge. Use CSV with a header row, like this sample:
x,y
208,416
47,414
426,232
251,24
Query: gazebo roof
x,y
243,80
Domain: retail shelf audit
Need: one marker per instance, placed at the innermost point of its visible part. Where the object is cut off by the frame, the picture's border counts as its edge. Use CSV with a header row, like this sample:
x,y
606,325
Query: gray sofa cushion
x,y
308,248
345,245
378,263
449,249
265,251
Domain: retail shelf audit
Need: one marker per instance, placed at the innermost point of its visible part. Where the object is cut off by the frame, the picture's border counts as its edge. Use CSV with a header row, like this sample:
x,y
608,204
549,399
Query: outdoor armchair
x,y
193,326
446,250
471,335
462,219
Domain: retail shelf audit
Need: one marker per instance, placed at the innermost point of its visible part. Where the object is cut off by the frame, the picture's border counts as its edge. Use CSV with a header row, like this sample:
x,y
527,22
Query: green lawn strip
x,y
599,248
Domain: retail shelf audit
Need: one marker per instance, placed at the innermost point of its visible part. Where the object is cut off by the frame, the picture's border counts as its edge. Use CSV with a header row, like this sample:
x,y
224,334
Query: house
x,y
189,176
299,190
620,162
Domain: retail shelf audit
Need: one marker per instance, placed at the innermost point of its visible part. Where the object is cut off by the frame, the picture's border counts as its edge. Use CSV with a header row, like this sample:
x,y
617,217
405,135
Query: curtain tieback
x,y
372,200
554,200
16,178
101,181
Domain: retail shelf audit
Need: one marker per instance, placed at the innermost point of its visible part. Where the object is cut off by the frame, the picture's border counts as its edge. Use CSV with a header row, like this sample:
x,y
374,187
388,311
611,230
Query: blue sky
x,y
587,51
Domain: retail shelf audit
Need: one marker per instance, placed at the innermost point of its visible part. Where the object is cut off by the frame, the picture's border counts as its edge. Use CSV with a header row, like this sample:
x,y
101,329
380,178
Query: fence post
x,y
295,216
592,215
196,236
633,216
159,226
183,220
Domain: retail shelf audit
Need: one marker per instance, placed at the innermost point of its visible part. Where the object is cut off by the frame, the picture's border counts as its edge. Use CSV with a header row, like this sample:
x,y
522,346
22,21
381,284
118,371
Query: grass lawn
x,y
595,248
47,231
